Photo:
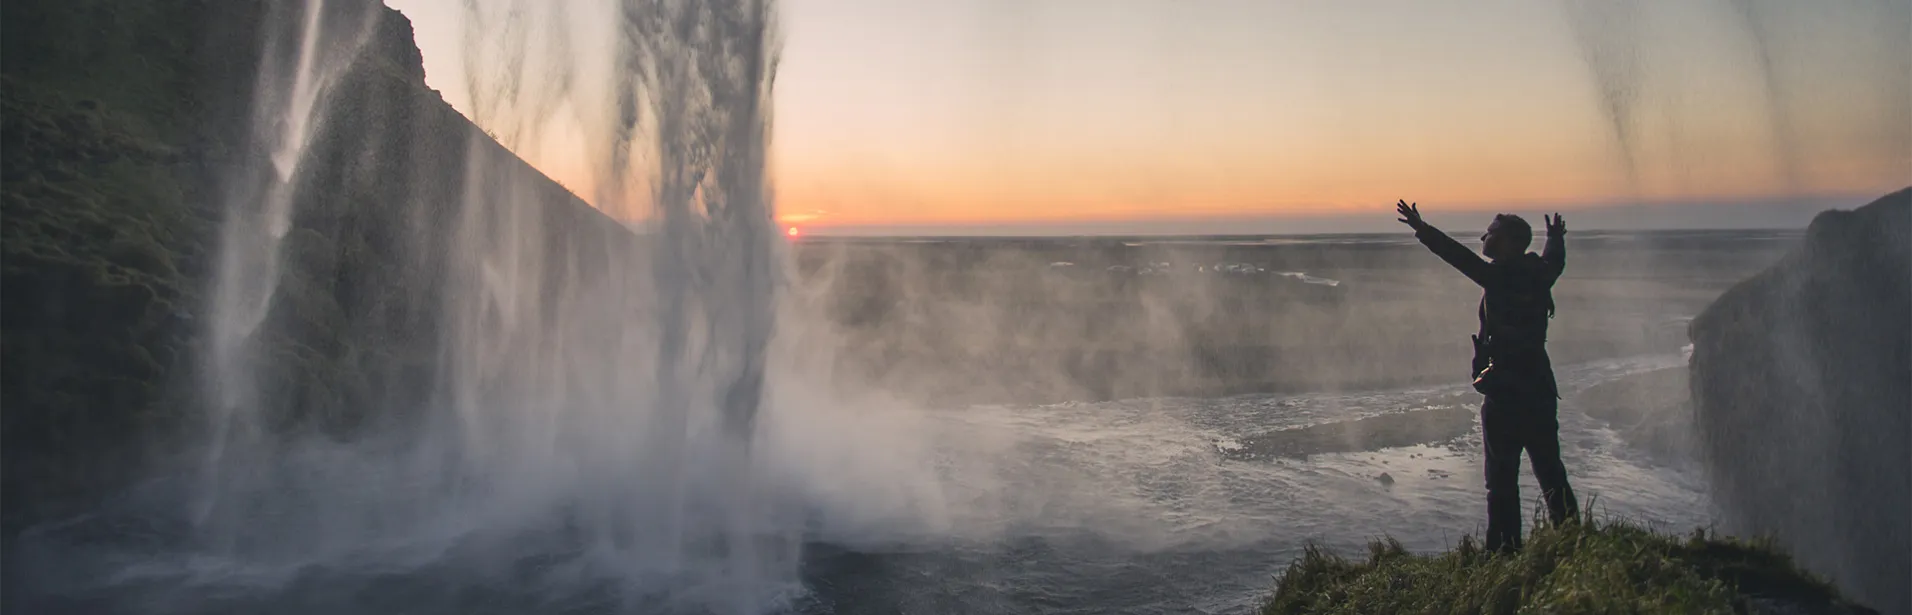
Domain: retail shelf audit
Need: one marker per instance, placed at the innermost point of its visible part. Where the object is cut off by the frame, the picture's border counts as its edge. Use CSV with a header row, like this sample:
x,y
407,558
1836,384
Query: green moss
x,y
1585,567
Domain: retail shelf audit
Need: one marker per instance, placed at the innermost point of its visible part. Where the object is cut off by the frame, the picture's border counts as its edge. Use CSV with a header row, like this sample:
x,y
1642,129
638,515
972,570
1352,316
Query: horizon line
x,y
1774,213
1406,235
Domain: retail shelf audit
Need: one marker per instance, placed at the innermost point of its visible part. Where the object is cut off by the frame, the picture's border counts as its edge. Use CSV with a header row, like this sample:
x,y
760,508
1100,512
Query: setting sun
x,y
793,232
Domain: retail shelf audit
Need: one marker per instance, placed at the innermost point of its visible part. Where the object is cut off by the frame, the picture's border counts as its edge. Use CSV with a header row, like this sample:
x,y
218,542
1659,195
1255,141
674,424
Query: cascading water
x,y
1801,457
583,401
1785,135
1608,37
646,387
296,71
706,71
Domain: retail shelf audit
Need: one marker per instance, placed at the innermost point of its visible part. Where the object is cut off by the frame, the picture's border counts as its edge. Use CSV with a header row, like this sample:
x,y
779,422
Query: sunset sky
x,y
975,112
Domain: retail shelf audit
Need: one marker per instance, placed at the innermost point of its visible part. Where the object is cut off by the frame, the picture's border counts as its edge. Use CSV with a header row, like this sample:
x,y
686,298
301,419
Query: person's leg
x,y
1542,441
1501,444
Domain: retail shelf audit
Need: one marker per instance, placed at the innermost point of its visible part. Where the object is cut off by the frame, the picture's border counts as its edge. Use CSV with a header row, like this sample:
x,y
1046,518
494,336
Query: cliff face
x,y
1802,383
126,129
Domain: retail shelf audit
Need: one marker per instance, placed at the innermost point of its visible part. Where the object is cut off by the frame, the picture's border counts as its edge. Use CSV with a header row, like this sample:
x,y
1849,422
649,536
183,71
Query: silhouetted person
x,y
1510,362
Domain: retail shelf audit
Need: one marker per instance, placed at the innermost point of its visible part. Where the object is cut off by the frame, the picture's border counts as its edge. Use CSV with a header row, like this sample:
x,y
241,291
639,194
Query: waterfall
x,y
295,73
596,388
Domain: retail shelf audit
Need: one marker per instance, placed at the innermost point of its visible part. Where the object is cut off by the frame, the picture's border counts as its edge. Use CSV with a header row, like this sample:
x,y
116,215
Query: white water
x,y
610,396
290,92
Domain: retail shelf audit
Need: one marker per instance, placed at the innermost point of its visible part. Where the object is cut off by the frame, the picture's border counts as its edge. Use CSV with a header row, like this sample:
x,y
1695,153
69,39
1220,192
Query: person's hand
x,y
1410,215
1556,225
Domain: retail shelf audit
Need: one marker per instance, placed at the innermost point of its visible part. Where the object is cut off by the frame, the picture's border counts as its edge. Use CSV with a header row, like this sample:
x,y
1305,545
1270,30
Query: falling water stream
x,y
548,414
296,72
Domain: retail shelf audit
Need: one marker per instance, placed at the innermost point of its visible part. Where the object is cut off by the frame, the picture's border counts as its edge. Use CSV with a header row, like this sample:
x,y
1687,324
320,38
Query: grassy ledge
x,y
1587,567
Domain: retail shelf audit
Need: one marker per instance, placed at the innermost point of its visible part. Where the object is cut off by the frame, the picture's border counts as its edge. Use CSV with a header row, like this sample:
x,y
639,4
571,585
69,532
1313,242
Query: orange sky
x,y
1004,111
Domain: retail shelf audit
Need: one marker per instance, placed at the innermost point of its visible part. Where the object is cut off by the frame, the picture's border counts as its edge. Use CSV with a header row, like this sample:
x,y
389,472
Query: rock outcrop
x,y
126,129
1802,386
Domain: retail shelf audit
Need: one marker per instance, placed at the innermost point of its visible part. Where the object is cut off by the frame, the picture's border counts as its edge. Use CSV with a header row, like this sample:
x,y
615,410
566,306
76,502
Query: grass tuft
x,y
1589,566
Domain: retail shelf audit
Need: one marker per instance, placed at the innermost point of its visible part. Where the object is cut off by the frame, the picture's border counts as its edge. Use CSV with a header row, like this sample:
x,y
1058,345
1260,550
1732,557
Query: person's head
x,y
1507,237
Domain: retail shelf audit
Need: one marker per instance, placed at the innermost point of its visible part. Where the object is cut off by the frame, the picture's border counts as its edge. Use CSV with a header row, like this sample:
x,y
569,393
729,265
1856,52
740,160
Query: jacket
x,y
1516,302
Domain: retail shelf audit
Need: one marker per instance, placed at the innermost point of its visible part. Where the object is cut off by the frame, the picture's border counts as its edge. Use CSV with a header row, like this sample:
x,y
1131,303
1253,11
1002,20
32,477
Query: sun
x,y
793,232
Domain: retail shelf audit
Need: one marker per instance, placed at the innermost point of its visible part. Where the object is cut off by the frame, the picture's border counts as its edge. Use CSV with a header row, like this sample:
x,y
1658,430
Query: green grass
x,y
1586,567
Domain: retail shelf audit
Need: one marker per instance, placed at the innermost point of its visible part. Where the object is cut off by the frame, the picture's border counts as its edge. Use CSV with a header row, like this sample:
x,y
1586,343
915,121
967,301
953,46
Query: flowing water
x,y
297,69
614,401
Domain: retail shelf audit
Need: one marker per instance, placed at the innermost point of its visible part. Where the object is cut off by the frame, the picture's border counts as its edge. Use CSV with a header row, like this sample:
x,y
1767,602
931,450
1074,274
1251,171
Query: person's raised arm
x,y
1457,255
1555,253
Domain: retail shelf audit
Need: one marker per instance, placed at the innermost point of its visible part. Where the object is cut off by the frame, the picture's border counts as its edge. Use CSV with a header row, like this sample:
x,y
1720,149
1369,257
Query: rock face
x,y
125,126
1802,383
